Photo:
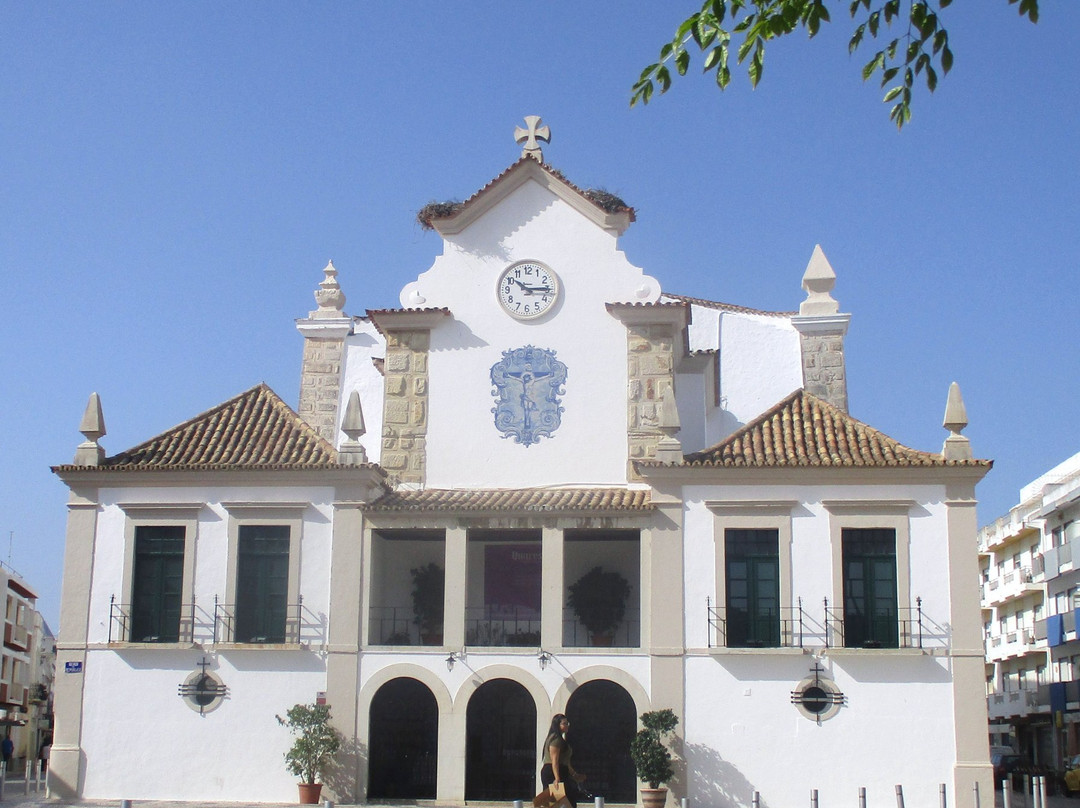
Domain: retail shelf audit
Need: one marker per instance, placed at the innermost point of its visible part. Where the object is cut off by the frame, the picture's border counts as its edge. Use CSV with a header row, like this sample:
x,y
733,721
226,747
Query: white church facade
x,y
541,485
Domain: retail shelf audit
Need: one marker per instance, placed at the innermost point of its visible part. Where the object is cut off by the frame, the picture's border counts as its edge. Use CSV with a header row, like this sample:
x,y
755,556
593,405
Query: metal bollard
x,y
978,801
756,801
1035,801
1042,790
685,802
899,797
598,802
3,778
518,803
862,796
26,777
125,803
941,796
1027,789
330,803
1006,794
813,798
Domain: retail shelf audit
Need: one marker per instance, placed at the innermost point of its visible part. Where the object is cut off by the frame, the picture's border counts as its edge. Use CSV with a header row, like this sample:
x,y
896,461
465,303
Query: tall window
x,y
753,588
157,588
870,600
262,583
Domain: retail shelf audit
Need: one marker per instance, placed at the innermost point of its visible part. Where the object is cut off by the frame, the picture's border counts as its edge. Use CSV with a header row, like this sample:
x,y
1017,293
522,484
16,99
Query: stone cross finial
x,y
92,426
531,136
351,452
956,447
818,282
329,296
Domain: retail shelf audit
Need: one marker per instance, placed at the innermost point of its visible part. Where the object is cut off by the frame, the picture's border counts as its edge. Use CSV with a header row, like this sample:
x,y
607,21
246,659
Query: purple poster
x,y
512,581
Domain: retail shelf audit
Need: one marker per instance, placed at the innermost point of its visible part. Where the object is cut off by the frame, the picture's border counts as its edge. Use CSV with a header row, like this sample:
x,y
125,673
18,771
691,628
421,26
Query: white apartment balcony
x,y
1014,704
1057,560
1001,531
1013,644
1011,585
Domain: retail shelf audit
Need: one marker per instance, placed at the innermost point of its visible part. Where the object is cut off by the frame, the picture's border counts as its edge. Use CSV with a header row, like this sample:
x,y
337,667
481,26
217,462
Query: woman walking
x,y
557,769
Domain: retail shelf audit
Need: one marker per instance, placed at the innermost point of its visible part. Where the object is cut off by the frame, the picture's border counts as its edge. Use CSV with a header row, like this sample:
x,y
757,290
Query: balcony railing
x,y
909,629
625,635
121,623
396,625
261,627
520,627
783,629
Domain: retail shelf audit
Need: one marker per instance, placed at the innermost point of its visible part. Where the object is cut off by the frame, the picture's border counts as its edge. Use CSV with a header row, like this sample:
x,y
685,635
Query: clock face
x,y
527,290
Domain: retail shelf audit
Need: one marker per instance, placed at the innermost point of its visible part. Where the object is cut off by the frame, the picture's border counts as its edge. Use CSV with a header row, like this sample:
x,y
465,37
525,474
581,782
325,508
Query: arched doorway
x,y
603,721
404,741
501,757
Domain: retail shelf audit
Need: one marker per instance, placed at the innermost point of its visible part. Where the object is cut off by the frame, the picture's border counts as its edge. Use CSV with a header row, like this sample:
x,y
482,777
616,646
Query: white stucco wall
x,y
359,373
589,447
142,741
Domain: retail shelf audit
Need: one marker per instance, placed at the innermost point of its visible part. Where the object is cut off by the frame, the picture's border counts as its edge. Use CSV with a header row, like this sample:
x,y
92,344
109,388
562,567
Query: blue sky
x,y
175,176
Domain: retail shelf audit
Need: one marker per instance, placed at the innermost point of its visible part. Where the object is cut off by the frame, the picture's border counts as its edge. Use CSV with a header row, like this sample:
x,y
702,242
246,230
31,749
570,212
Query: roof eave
x,y
513,178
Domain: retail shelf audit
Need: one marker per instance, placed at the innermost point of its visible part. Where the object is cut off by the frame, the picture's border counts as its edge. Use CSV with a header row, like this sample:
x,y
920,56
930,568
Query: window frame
x,y
871,514
165,514
289,514
753,515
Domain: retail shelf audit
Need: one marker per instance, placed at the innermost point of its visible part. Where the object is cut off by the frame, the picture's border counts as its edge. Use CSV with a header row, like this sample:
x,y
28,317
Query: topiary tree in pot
x,y
651,757
598,599
315,742
429,584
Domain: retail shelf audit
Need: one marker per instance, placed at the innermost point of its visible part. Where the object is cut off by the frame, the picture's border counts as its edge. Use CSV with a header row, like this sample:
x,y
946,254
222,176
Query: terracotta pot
x,y
602,640
653,797
309,793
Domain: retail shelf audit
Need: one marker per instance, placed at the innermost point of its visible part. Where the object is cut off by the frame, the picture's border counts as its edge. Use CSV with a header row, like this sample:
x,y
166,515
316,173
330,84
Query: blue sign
x,y
527,383
72,667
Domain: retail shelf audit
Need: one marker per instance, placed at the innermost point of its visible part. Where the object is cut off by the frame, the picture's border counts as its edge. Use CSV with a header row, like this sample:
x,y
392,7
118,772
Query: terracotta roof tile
x,y
524,499
713,304
255,429
804,430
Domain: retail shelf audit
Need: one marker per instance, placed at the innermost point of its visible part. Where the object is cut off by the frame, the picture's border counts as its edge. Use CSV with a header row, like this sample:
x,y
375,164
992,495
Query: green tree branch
x,y
922,50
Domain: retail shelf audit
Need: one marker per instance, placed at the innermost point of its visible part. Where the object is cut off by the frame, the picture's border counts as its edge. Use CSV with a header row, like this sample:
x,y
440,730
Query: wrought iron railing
x,y
122,619
783,628
625,635
394,625
288,629
902,630
521,627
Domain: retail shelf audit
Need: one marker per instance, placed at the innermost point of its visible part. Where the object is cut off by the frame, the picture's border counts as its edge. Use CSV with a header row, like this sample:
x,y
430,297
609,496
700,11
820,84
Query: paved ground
x,y
15,798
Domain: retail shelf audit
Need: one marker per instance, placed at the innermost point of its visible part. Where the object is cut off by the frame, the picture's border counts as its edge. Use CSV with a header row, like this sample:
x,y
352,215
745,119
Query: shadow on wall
x,y
716,782
347,772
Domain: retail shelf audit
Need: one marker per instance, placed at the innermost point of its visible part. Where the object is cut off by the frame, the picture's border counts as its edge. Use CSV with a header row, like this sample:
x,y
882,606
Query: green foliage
x,y
651,757
921,47
599,599
315,741
428,596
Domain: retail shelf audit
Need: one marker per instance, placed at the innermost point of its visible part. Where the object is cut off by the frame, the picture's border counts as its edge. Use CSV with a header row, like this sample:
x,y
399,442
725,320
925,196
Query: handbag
x,y
558,791
545,799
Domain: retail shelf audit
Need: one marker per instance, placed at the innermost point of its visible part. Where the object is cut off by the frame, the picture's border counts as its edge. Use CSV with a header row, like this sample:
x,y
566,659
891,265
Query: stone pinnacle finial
x,y
329,296
956,447
92,426
531,136
351,452
818,282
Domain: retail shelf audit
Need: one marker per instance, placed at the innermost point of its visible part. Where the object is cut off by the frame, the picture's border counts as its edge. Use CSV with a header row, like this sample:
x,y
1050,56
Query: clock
x,y
527,290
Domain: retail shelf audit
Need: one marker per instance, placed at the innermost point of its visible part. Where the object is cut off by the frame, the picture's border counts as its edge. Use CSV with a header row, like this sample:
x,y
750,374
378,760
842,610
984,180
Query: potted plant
x,y
651,757
427,598
599,600
314,743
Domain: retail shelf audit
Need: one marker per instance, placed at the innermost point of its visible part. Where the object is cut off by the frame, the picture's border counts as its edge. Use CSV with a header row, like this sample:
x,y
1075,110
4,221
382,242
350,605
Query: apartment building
x,y
24,687
1031,593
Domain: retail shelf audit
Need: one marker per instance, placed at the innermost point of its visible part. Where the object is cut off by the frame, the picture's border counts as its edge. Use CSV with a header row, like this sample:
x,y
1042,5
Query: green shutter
x,y
262,583
157,588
